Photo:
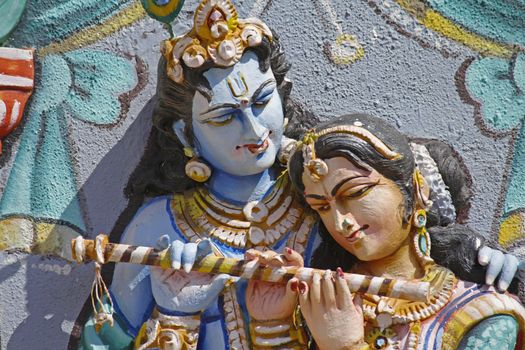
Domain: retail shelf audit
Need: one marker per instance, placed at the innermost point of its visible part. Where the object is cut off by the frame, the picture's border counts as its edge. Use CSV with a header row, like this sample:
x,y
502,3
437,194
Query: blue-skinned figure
x,y
220,117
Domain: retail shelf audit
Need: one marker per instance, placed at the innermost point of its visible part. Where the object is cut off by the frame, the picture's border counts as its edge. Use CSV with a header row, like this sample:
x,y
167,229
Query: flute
x,y
102,251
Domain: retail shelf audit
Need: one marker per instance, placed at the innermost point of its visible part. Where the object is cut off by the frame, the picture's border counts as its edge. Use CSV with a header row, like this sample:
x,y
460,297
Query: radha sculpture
x,y
220,121
360,176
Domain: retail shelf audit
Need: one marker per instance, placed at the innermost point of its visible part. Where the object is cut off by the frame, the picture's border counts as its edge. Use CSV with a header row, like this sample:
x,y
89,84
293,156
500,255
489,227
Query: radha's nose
x,y
344,224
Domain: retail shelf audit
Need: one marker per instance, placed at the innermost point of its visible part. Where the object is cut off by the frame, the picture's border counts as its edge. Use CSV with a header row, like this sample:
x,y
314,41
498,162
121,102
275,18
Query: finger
x,y
304,298
484,255
343,295
510,266
315,289
204,248
188,256
176,248
215,288
278,260
251,254
328,290
162,243
291,290
358,304
293,258
266,257
495,265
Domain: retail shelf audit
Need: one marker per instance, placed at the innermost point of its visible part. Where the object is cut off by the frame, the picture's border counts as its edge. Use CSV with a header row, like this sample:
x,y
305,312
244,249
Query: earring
x,y
421,238
196,169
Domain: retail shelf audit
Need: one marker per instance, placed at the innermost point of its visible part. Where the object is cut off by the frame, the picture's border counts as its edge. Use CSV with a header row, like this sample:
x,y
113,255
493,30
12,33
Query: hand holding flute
x,y
101,251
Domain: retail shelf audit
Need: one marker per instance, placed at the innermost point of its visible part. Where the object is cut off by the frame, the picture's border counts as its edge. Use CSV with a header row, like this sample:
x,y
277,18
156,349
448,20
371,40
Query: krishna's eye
x,y
263,101
220,121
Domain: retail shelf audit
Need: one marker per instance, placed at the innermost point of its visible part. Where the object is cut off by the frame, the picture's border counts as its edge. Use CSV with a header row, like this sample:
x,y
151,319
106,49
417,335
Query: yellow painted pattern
x,y
511,229
93,34
435,21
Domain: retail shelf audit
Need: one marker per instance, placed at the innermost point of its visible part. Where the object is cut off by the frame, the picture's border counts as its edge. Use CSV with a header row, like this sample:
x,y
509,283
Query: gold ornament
x,y
197,170
218,35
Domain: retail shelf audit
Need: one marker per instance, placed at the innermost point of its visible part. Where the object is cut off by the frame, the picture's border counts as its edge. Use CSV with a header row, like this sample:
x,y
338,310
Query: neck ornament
x,y
261,223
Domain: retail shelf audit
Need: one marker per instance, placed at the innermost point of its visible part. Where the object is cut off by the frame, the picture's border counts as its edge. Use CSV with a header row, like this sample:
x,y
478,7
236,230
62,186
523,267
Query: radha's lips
x,y
357,234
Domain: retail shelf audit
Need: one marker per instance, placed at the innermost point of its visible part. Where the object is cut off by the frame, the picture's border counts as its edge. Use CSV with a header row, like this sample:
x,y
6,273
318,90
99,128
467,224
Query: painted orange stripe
x,y
17,68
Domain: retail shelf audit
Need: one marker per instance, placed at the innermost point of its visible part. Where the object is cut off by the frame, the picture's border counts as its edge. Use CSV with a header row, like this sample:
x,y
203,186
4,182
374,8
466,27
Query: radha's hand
x,y
502,266
271,301
181,290
334,317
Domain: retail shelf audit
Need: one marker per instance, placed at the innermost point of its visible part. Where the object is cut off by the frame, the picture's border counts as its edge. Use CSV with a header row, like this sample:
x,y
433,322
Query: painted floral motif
x,y
500,333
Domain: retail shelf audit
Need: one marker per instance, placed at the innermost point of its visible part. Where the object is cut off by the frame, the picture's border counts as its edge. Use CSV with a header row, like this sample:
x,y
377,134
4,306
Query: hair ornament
x,y
218,35
439,194
317,168
360,132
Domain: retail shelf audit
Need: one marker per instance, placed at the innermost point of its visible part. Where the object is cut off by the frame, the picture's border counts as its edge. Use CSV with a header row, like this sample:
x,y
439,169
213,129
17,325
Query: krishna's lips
x,y
258,148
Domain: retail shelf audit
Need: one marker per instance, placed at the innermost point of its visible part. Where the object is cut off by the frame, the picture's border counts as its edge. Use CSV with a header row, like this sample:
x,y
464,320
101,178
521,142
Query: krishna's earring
x,y
196,169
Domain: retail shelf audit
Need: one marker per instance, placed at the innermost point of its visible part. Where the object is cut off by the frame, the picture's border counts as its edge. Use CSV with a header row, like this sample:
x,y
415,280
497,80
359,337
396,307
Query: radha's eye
x,y
358,192
220,121
322,208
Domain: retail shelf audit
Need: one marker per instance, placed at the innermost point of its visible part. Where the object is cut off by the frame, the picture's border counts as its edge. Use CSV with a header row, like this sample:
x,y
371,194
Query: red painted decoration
x,y
17,73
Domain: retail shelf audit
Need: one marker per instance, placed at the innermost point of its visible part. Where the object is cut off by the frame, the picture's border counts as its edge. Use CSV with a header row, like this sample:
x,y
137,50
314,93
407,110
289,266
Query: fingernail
x,y
288,251
294,286
175,265
503,285
483,260
302,287
340,272
490,280
187,268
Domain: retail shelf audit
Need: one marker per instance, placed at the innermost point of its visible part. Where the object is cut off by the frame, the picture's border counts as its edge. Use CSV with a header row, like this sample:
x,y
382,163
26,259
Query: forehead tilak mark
x,y
239,87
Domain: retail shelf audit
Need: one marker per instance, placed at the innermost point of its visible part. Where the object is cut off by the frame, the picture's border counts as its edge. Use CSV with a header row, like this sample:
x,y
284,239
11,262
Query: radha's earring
x,y
195,168
422,238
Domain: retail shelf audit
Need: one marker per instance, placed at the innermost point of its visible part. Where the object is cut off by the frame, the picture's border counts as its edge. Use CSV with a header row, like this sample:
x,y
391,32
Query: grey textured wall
x,y
409,75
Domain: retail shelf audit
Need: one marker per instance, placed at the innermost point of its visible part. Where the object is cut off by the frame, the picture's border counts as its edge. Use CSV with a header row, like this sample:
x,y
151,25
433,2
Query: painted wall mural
x,y
39,208
494,80
453,71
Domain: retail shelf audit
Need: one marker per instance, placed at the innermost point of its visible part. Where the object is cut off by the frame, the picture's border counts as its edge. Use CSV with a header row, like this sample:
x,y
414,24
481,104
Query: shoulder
x,y
153,219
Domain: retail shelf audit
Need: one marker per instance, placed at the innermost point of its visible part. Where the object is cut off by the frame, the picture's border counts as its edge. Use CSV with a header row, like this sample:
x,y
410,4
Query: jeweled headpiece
x,y
317,168
218,35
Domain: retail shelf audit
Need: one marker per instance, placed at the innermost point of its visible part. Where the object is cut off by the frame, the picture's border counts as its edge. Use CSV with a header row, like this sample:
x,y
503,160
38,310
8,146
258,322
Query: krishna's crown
x,y
217,35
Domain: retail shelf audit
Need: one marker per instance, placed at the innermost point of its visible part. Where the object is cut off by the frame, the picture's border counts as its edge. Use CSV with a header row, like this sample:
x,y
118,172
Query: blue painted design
x,y
163,10
423,244
310,246
83,85
496,332
10,13
499,85
499,20
47,21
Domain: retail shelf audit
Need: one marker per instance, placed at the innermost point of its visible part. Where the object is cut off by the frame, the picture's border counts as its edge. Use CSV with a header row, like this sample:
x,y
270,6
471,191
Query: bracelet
x,y
162,331
277,334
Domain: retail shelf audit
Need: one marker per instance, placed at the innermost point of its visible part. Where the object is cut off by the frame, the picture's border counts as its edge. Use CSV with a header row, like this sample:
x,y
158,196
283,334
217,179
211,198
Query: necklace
x,y
199,213
381,313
